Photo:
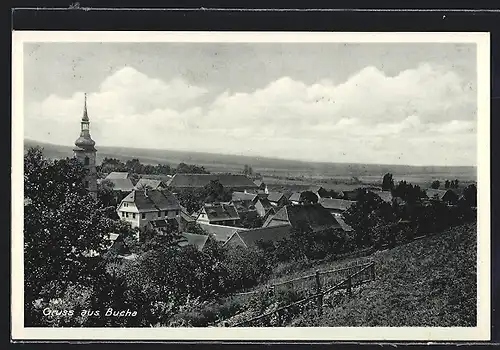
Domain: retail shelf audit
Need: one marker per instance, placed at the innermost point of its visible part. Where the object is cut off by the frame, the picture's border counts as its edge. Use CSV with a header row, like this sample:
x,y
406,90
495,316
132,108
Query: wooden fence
x,y
282,315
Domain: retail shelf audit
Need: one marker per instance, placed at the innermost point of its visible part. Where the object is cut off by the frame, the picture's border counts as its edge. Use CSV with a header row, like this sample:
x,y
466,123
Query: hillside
x,y
429,282
270,166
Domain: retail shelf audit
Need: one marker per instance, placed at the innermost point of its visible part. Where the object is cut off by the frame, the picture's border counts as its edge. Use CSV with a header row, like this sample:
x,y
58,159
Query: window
x,y
176,212
125,204
159,214
165,213
133,216
126,214
86,161
123,214
143,215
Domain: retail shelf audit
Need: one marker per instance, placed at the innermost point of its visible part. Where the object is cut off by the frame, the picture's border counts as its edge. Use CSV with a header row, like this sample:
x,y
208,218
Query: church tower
x,y
85,152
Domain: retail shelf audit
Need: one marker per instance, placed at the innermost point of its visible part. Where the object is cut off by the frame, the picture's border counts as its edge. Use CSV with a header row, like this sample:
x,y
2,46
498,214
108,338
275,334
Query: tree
x,y
215,192
62,225
309,197
387,182
408,192
435,184
447,184
105,194
470,195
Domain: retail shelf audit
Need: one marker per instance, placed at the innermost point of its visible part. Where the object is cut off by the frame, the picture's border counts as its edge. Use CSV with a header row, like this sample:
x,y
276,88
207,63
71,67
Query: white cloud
x,y
369,117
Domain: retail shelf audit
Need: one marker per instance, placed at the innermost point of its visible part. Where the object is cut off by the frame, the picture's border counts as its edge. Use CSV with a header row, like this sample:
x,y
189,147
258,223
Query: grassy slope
x,y
430,282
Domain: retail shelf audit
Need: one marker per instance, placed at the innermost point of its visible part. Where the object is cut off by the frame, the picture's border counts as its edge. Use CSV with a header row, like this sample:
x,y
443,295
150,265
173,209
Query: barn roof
x,y
295,197
219,232
118,175
123,185
335,204
275,196
201,180
196,240
431,193
250,237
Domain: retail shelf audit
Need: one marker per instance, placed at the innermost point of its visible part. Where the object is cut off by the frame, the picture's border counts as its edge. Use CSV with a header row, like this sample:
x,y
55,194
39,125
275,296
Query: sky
x,y
386,103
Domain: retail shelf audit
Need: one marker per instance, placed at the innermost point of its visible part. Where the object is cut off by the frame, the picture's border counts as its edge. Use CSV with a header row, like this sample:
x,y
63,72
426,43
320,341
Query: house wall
x,y
129,213
260,209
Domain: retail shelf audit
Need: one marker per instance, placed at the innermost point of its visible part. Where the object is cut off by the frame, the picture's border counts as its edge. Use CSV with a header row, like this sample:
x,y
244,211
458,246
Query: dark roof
x,y
152,200
335,204
275,196
242,196
201,180
313,214
118,175
196,240
219,232
152,183
221,211
163,223
185,216
265,234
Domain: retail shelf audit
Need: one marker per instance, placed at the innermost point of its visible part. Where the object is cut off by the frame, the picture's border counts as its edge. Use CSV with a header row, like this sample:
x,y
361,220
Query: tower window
x,y
86,161
143,215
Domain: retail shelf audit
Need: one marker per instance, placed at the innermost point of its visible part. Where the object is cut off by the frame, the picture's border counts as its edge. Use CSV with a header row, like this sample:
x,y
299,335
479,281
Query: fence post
x,y
319,293
349,286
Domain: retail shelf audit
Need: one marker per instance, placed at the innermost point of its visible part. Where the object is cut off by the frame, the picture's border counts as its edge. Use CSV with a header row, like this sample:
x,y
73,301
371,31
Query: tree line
x,y
134,166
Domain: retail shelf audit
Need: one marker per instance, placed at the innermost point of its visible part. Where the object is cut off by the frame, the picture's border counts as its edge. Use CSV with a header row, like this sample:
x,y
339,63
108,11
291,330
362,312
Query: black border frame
x,y
99,16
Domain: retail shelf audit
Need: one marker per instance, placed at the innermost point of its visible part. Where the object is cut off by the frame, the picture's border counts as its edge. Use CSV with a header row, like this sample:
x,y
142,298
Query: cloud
x,y
369,117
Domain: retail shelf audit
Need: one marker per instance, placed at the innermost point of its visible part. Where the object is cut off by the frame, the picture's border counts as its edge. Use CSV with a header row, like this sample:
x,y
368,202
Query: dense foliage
x,y
136,167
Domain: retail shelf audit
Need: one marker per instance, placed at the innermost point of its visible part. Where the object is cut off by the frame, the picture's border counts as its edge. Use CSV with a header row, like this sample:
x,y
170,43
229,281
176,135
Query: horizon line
x,y
264,157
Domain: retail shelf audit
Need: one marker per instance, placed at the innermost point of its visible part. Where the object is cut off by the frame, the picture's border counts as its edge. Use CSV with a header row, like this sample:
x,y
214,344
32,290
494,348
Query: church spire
x,y
85,114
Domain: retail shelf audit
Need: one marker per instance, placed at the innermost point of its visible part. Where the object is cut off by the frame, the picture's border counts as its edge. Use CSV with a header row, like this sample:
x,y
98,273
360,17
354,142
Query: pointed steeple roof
x,y
85,114
85,140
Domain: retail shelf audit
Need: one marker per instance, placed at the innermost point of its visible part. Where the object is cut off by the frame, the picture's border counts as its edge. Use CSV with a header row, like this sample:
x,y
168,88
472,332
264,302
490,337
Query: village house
x,y
277,199
249,202
249,238
447,196
295,198
186,221
235,182
121,181
219,233
335,206
322,192
196,240
261,186
140,207
224,214
312,215
152,184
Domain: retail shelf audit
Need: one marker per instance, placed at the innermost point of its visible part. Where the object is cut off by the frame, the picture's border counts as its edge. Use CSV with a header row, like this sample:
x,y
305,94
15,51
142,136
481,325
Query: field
x,y
429,282
294,175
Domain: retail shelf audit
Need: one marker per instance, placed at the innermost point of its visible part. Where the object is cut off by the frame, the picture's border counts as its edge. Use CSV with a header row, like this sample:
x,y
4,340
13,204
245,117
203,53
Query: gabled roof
x,y
431,192
219,232
186,217
152,200
201,180
250,237
275,196
221,211
124,185
118,175
313,214
386,196
335,204
196,240
295,197
242,196
154,184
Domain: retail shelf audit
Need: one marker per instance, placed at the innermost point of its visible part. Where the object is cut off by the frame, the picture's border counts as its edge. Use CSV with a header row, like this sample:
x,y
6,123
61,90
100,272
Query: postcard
x,y
190,186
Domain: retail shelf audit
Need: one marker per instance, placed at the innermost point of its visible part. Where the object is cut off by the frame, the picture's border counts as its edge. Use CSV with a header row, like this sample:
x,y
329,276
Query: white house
x,y
141,207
